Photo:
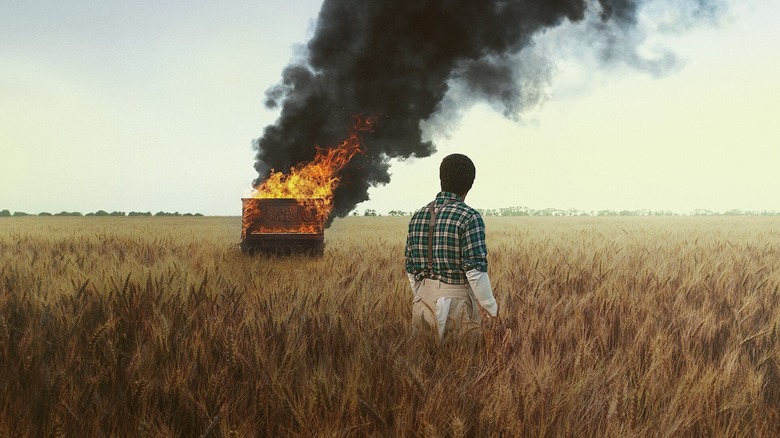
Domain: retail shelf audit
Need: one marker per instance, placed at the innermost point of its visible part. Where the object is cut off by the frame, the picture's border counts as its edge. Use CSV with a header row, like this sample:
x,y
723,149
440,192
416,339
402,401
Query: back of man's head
x,y
456,174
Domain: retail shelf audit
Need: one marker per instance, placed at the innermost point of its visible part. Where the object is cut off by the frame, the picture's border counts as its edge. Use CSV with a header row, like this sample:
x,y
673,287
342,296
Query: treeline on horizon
x,y
525,211
7,213
496,212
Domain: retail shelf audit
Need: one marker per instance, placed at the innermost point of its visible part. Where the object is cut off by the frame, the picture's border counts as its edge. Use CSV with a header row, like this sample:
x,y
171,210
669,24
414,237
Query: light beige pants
x,y
446,309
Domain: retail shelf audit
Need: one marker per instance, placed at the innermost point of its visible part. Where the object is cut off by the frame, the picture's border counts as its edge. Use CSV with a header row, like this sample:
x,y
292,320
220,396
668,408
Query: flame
x,y
315,180
299,216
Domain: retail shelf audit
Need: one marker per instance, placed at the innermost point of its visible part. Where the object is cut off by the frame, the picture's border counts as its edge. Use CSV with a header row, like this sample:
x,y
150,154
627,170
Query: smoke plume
x,y
398,60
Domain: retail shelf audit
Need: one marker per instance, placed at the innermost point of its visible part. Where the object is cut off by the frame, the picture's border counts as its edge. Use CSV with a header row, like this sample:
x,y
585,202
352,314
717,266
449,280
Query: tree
x,y
5,213
369,212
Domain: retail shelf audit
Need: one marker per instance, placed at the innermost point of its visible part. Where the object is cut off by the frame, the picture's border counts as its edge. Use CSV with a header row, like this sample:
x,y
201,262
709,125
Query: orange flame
x,y
281,216
318,178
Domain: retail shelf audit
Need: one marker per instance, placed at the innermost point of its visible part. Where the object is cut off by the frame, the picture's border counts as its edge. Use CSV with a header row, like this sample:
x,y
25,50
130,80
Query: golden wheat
x,y
607,327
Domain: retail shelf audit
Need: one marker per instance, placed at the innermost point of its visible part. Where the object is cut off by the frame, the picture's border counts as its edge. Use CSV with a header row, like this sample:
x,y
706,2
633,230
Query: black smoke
x,y
397,60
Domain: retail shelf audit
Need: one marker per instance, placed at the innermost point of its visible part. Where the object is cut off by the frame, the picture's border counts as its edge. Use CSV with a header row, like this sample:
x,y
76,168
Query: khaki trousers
x,y
447,309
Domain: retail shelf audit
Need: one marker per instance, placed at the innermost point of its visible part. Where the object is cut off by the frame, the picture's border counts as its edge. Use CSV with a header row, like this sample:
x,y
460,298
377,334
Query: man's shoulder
x,y
466,210
419,213
458,207
418,219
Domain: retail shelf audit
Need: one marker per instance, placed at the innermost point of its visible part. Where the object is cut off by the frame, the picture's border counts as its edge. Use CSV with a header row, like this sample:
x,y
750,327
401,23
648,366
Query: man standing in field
x,y
446,257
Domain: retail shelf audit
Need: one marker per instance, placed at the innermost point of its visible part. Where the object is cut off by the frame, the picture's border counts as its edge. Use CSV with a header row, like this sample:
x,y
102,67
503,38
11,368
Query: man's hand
x,y
413,282
480,284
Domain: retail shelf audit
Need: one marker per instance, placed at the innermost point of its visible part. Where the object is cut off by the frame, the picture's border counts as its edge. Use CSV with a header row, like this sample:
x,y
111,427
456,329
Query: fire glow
x,y
311,184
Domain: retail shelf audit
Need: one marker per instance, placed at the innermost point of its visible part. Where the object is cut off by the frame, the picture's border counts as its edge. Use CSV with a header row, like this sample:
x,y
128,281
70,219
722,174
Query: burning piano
x,y
287,212
283,226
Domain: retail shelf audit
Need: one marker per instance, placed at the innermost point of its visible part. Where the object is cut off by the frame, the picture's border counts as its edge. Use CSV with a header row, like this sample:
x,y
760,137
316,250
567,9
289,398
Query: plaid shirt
x,y
458,241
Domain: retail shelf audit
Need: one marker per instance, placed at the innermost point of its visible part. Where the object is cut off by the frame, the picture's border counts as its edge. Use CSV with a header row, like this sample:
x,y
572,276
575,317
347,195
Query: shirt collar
x,y
447,195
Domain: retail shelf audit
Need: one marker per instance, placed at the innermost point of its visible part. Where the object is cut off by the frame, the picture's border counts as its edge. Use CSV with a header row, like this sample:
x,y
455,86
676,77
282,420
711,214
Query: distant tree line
x,y
525,211
369,212
7,213
507,211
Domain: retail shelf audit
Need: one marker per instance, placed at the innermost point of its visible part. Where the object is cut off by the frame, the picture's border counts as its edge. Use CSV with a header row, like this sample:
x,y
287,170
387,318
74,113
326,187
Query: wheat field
x,y
607,327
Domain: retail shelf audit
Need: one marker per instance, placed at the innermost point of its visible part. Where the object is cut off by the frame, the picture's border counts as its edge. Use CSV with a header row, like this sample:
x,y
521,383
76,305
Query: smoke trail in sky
x,y
398,60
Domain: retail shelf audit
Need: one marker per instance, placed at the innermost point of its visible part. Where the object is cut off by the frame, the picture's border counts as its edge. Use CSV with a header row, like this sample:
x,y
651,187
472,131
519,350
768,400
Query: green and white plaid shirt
x,y
458,241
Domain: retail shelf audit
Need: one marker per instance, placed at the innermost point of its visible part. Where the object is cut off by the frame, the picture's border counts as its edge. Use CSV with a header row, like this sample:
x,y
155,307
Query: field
x,y
607,327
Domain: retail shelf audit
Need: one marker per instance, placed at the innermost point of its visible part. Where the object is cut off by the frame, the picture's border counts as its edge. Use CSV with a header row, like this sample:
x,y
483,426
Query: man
x,y
446,257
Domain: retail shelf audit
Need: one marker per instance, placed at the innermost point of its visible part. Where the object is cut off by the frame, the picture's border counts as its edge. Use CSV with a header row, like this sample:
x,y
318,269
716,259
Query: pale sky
x,y
149,106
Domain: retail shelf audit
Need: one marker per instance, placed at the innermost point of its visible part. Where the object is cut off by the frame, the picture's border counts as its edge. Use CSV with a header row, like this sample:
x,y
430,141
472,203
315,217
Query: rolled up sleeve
x,y
409,262
473,247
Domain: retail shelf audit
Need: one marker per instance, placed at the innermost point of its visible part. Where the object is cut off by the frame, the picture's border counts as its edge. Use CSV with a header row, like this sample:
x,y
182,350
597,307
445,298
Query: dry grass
x,y
608,327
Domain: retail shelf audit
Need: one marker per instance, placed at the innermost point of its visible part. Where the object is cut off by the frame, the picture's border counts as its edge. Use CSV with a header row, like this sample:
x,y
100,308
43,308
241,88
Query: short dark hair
x,y
456,174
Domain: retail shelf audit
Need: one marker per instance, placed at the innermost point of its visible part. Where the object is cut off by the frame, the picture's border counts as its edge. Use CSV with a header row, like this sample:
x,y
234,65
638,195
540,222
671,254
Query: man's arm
x,y
413,282
410,264
474,263
480,284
